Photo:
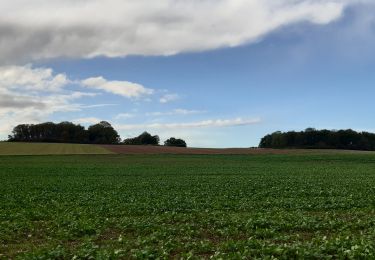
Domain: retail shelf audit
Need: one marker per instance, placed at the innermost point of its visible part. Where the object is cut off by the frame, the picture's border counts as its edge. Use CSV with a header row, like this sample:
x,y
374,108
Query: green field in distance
x,y
188,206
7,148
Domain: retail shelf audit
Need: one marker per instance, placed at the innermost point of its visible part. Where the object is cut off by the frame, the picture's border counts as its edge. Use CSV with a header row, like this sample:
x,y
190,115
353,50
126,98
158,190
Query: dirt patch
x,y
139,149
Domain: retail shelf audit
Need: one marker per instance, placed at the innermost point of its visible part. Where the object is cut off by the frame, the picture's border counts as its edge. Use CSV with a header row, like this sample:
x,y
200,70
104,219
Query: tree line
x,y
320,139
68,132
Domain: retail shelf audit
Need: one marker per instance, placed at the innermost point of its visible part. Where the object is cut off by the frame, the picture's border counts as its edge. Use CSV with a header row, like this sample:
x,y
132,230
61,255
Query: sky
x,y
217,73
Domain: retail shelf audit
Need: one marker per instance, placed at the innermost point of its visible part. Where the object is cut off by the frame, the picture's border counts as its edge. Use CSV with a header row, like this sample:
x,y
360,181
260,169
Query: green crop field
x,y
49,149
188,206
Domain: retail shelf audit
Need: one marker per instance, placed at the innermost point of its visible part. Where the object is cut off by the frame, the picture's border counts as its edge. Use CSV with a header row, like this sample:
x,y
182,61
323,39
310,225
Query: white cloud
x,y
31,95
168,98
27,92
200,124
28,78
30,108
125,116
87,120
98,105
178,111
122,88
38,29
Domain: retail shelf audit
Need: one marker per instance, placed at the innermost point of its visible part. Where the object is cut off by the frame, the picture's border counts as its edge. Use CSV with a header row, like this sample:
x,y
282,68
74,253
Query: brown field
x,y
65,149
139,149
7,148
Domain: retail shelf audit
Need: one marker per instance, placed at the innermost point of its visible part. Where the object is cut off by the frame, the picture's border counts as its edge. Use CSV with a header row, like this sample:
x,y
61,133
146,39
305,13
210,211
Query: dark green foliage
x,y
143,139
175,142
65,132
320,139
188,207
103,133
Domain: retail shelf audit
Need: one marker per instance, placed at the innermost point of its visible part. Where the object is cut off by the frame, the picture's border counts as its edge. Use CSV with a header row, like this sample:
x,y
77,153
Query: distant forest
x,y
67,132
320,139
104,133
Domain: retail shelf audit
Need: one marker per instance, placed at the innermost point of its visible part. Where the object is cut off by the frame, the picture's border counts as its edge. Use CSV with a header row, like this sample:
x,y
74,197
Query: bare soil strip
x,y
49,149
139,149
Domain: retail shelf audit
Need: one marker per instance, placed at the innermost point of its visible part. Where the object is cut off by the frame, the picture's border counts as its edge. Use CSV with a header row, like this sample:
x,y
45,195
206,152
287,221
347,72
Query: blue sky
x,y
307,72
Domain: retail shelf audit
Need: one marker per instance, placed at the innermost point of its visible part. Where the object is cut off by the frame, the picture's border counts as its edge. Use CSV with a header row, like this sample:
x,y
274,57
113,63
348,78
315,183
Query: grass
x,y
49,149
147,207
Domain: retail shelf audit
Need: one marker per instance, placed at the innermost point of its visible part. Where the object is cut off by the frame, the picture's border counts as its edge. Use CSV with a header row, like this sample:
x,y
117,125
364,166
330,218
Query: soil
x,y
139,149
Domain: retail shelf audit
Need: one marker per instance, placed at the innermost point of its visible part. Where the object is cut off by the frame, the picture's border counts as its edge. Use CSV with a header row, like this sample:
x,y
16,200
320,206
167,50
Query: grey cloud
x,y
19,102
118,28
21,44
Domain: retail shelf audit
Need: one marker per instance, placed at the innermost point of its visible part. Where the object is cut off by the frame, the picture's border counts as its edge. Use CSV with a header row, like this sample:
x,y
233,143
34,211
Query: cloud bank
x,y
177,111
28,78
200,124
122,88
32,30
31,95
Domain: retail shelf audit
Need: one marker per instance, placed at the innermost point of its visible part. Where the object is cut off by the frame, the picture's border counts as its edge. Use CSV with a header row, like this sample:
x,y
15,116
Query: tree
x,y
20,133
148,139
131,141
71,133
320,139
175,142
143,139
64,132
103,133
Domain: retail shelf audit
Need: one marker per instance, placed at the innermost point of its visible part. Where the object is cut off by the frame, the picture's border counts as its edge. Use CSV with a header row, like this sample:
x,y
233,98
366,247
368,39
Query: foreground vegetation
x,y
115,206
